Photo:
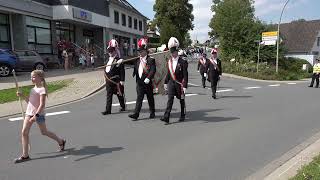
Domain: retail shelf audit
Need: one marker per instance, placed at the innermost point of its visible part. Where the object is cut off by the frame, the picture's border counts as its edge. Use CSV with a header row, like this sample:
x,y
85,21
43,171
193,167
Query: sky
x,y
266,10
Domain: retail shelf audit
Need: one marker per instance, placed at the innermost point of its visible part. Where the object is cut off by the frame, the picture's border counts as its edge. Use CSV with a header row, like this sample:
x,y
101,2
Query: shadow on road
x,y
203,115
86,151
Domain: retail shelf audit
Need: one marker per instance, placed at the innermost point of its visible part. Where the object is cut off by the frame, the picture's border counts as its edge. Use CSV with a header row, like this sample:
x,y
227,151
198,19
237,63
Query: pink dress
x,y
34,101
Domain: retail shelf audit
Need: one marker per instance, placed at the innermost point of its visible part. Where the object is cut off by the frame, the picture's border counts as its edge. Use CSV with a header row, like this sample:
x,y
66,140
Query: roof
x,y
299,36
127,5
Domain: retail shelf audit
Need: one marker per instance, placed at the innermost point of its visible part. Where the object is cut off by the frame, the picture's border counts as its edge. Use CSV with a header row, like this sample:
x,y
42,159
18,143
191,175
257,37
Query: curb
x,y
288,164
59,104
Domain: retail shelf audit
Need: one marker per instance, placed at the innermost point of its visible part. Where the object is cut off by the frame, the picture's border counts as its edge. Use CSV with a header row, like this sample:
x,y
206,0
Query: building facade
x,y
40,24
301,39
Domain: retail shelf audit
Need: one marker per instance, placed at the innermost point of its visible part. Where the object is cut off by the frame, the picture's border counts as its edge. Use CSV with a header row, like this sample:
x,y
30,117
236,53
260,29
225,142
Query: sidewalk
x,y
85,82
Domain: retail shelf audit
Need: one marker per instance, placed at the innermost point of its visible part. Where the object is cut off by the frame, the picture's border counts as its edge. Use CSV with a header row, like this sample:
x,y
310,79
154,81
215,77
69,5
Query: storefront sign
x,y
83,15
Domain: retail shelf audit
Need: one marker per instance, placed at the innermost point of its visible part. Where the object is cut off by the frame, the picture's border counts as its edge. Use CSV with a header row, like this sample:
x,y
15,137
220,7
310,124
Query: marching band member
x,y
176,81
214,70
114,75
144,70
202,68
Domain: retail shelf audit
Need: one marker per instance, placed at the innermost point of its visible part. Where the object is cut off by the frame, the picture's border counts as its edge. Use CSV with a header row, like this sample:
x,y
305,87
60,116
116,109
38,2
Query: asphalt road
x,y
248,126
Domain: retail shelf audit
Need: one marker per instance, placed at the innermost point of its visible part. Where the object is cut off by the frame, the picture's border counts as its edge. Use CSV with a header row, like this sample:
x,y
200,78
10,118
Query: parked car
x,y
30,60
8,61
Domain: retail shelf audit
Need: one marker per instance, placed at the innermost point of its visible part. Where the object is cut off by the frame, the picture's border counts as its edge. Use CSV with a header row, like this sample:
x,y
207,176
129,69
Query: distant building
x,y
301,39
40,24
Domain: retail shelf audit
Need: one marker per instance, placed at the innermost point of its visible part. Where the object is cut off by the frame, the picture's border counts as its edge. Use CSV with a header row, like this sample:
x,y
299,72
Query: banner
x,y
162,70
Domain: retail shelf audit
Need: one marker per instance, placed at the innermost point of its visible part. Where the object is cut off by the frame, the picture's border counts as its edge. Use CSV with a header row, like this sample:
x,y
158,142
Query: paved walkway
x,y
84,83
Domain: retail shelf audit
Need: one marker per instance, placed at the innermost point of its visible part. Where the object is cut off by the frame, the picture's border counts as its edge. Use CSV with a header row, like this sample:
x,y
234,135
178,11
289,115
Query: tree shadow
x,y
202,115
87,151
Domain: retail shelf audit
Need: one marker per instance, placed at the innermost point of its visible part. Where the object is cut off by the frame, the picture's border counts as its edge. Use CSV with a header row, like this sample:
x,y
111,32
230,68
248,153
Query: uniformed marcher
x,y
114,76
202,68
176,81
144,70
316,73
214,71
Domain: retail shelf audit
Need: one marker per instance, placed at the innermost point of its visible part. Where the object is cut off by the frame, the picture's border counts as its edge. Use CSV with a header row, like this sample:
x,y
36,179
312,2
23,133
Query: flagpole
x,y
17,87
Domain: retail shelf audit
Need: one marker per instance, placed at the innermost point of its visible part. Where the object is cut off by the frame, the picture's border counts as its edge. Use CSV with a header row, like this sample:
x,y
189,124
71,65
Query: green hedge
x,y
289,69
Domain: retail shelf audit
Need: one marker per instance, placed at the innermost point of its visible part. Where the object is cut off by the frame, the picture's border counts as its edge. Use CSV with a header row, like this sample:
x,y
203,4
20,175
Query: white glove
x,y
198,71
184,90
205,74
119,62
165,86
147,80
122,83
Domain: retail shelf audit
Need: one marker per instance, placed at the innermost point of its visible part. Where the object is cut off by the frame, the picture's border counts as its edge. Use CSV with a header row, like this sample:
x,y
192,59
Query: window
x,y
318,41
116,17
135,24
4,34
130,21
4,31
39,35
140,25
64,31
124,20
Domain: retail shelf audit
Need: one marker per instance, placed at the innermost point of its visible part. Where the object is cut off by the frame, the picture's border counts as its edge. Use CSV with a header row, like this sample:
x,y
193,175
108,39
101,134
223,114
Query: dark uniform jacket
x,y
147,73
181,75
214,73
203,67
116,74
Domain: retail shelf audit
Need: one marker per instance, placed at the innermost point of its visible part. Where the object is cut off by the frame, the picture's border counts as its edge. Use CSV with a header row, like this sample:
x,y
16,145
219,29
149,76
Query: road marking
x,y
274,85
292,83
130,102
47,114
253,87
225,90
191,94
193,85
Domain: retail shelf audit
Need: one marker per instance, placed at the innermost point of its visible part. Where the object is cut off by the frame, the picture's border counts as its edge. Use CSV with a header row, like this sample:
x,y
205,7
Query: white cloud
x,y
273,7
202,16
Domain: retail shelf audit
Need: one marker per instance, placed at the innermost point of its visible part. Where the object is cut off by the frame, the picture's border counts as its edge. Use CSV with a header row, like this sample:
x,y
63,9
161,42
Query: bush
x,y
289,69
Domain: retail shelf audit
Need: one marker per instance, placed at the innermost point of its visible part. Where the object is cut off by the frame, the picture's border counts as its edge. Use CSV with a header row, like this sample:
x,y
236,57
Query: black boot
x,y
165,119
182,118
214,96
134,116
105,113
152,115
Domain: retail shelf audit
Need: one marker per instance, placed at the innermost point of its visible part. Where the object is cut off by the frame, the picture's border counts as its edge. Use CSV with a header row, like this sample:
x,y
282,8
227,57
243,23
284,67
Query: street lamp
x,y
277,60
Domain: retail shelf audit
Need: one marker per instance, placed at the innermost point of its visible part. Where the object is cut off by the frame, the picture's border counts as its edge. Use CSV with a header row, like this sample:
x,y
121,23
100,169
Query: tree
x,y
187,40
235,26
214,6
174,18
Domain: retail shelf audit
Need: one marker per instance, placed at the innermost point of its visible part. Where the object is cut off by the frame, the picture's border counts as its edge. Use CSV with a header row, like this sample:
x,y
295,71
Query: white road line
x,y
193,85
292,83
191,94
47,114
253,87
274,85
130,102
225,90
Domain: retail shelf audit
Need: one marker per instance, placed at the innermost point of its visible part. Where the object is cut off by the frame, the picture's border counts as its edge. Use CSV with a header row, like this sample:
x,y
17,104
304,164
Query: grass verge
x,y
9,95
310,171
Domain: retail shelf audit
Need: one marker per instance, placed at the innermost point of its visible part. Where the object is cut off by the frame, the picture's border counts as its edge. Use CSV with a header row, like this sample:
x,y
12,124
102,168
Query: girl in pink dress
x,y
35,113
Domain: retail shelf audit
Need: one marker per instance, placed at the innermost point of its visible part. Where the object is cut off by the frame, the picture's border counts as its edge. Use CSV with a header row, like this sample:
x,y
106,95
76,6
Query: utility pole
x,y
278,34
